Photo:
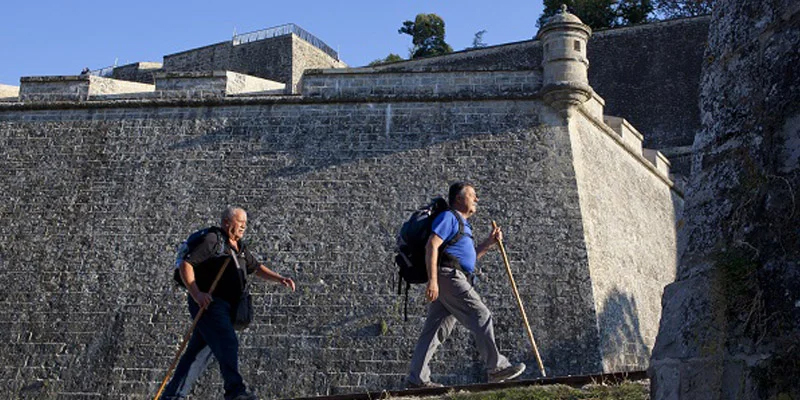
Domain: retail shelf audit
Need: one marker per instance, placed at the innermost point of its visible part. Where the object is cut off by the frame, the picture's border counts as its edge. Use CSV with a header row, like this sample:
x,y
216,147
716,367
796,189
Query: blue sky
x,y
61,37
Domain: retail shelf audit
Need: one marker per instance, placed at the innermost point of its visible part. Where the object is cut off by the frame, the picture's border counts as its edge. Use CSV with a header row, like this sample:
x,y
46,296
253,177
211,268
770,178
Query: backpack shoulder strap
x,y
458,234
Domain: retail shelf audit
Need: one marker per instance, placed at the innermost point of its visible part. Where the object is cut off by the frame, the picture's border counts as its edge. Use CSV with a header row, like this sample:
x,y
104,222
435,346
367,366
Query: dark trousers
x,y
214,332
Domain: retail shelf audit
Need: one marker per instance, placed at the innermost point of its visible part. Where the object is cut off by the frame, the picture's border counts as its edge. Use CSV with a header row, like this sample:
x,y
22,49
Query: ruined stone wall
x,y
98,195
730,322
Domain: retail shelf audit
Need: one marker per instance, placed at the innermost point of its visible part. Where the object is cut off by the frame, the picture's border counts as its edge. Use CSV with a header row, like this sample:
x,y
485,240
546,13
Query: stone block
x,y
9,93
631,138
595,106
658,160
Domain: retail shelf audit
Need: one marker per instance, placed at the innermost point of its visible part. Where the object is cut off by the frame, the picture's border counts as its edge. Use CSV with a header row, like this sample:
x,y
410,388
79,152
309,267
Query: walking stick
x,y
519,303
189,333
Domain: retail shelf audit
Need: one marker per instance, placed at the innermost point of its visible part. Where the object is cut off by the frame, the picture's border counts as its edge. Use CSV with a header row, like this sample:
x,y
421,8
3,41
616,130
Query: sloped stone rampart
x,y
626,266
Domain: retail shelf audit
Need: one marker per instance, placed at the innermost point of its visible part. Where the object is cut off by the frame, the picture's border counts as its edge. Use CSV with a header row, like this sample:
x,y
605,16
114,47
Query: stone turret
x,y
565,83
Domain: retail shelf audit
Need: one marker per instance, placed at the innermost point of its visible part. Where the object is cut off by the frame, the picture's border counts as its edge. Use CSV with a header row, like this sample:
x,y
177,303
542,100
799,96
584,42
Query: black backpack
x,y
191,242
411,242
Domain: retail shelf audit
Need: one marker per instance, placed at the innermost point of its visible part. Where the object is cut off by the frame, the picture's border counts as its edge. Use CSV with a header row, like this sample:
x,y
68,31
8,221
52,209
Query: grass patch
x,y
624,391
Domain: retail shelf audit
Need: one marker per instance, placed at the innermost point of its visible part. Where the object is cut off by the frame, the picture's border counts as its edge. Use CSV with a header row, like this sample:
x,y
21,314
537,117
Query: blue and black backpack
x,y
411,242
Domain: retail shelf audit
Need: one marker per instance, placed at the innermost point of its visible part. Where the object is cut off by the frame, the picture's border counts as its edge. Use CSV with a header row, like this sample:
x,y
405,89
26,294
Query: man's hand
x,y
494,238
432,292
288,282
496,235
202,299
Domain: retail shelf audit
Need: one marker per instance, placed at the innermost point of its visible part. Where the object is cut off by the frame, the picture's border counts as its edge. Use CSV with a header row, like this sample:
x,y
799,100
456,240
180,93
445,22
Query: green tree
x,y
389,59
632,12
602,14
683,8
598,14
427,33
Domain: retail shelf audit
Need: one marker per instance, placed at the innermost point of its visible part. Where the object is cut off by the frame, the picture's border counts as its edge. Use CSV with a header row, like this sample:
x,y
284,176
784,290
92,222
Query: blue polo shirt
x,y
445,225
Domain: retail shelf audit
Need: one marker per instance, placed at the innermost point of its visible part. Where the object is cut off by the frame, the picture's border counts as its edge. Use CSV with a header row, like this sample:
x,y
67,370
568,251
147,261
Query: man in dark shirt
x,y
214,333
451,293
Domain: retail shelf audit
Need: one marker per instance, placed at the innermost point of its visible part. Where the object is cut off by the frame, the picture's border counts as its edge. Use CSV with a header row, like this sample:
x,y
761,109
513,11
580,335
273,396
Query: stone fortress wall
x,y
648,74
281,58
101,187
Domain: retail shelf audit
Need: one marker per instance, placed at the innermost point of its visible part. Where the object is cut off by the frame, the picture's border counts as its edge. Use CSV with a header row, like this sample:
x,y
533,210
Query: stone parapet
x,y
631,138
75,88
213,84
369,84
658,159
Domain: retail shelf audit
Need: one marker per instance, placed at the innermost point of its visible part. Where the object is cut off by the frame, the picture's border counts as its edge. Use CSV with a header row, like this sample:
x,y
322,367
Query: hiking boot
x,y
423,385
245,396
506,373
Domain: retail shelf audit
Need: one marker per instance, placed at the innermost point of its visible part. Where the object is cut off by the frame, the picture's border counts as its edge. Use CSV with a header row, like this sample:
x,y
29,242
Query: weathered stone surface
x,y
614,192
730,323
102,196
100,193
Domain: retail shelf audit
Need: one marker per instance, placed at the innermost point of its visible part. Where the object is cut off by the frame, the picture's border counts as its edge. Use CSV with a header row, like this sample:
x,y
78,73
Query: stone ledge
x,y
160,99
214,84
75,88
351,84
55,78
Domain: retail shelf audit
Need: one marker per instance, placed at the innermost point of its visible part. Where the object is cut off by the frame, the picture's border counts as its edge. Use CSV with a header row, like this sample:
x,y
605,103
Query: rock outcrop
x,y
731,321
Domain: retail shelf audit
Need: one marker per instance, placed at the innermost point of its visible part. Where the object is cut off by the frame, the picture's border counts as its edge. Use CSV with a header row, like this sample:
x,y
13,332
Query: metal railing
x,y
284,30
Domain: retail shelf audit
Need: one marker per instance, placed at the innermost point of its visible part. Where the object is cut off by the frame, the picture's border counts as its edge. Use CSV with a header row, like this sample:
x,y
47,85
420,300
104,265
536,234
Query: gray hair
x,y
229,212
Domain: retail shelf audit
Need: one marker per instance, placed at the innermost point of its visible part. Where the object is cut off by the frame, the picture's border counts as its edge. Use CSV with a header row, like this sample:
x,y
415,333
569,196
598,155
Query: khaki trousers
x,y
457,301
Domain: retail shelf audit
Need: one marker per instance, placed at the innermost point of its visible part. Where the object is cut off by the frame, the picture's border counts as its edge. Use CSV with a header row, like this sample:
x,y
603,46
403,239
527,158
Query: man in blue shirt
x,y
451,294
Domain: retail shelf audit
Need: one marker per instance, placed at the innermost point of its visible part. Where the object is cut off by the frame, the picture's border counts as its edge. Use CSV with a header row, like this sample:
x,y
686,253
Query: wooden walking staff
x,y
519,303
189,333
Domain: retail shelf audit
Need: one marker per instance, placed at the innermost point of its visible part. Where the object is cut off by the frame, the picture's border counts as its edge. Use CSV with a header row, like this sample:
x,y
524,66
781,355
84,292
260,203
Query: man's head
x,y
234,222
462,198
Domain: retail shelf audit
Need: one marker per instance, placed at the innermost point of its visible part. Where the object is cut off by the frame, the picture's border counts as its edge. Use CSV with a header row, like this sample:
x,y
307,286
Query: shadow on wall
x,y
623,346
325,138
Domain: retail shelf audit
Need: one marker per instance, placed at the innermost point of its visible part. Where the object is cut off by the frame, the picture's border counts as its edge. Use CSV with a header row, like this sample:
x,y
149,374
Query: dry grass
x,y
624,391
